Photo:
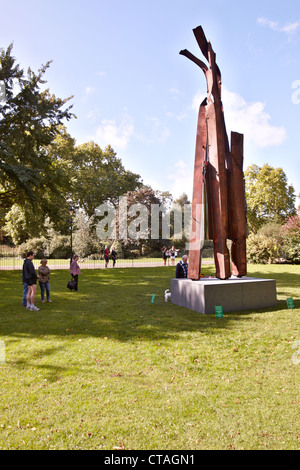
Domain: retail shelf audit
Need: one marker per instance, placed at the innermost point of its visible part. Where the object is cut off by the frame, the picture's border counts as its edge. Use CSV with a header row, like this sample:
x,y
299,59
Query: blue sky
x,y
120,59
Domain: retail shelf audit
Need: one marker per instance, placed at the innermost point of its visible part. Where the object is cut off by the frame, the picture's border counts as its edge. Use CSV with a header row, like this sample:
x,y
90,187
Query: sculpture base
x,y
232,294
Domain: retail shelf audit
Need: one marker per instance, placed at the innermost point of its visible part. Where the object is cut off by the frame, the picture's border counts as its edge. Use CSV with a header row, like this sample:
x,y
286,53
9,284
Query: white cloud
x,y
156,131
180,117
181,176
116,134
248,118
266,22
175,93
289,28
89,90
251,119
197,100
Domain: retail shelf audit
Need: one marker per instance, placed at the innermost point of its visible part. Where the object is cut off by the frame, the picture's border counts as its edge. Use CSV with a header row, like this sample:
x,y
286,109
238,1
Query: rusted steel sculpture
x,y
218,206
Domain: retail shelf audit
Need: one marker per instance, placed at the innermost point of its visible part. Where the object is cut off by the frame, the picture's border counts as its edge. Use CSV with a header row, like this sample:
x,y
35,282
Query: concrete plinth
x,y
232,294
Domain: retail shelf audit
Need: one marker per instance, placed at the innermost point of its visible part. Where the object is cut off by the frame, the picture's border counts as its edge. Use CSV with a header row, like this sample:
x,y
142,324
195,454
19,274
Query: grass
x,y
105,368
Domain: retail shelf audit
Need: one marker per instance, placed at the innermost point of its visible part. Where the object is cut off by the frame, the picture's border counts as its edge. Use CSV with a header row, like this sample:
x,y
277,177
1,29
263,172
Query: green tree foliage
x,y
273,230
29,122
100,177
21,221
41,169
184,203
51,244
139,221
85,241
269,197
15,224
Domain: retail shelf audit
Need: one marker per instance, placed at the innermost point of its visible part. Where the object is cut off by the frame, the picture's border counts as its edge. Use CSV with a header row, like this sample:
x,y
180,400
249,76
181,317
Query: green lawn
x,y
105,368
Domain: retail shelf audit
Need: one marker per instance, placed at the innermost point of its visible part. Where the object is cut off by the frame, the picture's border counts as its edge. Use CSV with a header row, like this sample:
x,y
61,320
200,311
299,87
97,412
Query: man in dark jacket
x,y
25,288
182,268
30,278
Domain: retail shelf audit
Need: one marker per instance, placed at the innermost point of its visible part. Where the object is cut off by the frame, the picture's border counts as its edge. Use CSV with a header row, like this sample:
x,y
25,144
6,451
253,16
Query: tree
x,y
184,204
268,195
85,241
138,219
182,200
15,225
100,177
20,222
29,122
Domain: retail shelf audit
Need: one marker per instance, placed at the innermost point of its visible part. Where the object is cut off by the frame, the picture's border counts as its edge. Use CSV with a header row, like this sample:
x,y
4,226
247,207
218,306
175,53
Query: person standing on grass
x,y
30,277
44,280
173,253
113,254
75,271
164,251
25,287
106,256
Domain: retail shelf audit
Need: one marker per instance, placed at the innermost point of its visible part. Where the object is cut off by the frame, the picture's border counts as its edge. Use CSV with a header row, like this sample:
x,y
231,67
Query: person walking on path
x,y
106,256
75,271
113,254
30,277
44,280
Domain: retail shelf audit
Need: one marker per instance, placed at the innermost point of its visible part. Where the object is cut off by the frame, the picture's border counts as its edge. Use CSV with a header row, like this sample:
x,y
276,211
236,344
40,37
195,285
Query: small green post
x,y
219,311
290,302
153,297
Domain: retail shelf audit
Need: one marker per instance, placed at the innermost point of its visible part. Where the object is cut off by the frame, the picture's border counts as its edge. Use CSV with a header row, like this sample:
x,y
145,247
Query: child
x,y
44,280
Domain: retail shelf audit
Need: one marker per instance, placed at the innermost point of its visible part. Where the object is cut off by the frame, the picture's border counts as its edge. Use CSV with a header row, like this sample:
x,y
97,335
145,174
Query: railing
x,y
12,263
10,260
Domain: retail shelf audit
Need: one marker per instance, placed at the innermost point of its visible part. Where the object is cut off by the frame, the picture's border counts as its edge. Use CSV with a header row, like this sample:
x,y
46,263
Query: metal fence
x,y
11,260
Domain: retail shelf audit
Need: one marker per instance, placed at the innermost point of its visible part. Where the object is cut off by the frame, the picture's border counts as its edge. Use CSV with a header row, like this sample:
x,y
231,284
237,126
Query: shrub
x,y
94,257
208,249
57,247
292,252
37,245
118,248
262,249
291,239
273,230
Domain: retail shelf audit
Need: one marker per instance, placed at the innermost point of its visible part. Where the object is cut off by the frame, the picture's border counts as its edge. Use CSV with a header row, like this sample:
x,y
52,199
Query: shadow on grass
x,y
114,303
